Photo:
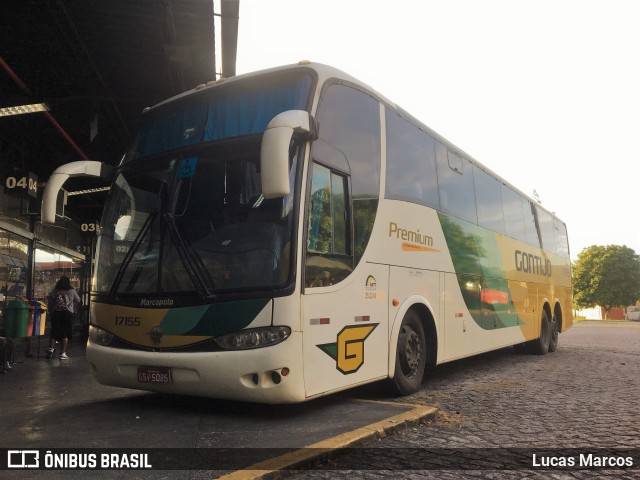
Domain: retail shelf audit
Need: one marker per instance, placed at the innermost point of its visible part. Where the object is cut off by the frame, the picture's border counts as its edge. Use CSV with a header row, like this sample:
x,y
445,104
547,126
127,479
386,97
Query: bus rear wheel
x,y
540,346
411,355
555,332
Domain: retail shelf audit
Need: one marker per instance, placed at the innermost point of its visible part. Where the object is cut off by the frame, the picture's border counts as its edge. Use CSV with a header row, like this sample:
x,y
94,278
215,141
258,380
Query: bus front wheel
x,y
411,354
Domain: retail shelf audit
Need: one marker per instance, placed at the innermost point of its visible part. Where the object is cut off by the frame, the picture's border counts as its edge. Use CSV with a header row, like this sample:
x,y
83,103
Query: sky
x,y
544,93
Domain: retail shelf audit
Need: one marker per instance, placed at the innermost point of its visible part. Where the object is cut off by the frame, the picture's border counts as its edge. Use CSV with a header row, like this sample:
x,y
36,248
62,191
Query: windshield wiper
x,y
132,251
191,261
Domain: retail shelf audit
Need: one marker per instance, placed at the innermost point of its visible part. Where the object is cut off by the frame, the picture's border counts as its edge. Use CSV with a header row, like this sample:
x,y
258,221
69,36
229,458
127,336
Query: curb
x,y
274,468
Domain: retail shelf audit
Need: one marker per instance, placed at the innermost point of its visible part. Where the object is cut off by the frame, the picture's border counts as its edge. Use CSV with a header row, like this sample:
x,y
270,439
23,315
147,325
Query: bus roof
x,y
326,72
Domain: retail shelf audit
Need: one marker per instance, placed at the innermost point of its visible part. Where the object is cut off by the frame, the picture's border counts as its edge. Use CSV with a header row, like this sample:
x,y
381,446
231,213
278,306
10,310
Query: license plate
x,y
154,375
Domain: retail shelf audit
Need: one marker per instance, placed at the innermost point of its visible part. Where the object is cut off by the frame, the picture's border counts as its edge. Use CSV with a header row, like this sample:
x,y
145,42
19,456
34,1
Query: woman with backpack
x,y
61,305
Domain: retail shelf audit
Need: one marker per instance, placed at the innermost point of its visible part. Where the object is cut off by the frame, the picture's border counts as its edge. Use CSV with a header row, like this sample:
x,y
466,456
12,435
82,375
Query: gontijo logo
x,y
348,351
529,263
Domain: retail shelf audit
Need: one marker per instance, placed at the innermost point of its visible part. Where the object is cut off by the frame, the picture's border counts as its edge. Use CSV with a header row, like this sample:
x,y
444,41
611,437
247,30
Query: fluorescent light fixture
x,y
22,109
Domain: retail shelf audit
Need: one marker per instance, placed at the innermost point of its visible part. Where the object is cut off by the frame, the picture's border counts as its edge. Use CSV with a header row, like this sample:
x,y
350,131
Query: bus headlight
x,y
253,338
99,336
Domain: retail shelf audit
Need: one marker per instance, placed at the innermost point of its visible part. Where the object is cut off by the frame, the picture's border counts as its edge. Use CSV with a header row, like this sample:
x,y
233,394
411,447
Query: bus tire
x,y
540,346
411,355
555,333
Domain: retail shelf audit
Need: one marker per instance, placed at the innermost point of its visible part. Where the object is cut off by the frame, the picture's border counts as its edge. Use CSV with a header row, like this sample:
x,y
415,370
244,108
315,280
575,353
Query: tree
x,y
606,276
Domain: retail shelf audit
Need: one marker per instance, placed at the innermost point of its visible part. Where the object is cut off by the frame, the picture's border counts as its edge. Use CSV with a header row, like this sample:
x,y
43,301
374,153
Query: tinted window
x,y
513,214
547,231
411,163
349,122
229,110
488,201
328,242
455,182
327,212
562,240
531,222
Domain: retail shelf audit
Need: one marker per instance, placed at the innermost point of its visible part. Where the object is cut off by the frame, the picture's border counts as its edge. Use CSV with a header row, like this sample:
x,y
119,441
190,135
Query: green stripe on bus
x,y
479,268
214,319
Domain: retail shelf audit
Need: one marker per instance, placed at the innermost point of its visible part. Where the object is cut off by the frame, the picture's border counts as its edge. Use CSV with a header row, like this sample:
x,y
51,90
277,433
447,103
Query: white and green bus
x,y
286,234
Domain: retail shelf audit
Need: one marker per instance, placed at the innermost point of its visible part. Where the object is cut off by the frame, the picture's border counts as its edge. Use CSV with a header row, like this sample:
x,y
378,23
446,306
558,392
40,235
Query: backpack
x,y
59,301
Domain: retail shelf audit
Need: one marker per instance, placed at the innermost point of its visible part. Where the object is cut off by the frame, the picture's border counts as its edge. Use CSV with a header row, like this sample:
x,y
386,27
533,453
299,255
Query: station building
x,y
74,80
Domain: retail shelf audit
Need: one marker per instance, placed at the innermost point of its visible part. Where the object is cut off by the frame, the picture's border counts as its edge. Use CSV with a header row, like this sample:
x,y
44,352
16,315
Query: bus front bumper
x,y
266,375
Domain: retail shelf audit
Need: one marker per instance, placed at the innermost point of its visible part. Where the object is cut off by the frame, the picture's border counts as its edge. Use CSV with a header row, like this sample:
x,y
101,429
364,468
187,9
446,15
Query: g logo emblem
x,y
348,351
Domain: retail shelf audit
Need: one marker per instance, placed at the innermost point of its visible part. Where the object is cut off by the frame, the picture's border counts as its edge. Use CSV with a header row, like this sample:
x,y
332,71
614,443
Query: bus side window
x,y
513,214
562,242
531,223
547,231
455,184
349,121
329,258
488,201
411,163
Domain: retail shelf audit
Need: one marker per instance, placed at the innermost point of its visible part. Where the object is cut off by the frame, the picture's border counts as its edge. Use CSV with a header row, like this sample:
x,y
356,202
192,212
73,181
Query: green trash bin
x,y
17,318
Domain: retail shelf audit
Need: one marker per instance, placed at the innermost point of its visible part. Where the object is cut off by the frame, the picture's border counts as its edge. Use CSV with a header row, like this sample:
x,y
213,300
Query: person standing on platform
x,y
62,303
6,354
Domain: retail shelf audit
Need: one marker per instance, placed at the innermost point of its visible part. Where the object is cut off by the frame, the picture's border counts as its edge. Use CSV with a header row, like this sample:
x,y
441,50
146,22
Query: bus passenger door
x,y
344,311
345,331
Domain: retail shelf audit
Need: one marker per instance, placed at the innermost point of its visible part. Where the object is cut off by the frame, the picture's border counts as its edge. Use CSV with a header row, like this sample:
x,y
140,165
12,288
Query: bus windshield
x,y
195,223
186,213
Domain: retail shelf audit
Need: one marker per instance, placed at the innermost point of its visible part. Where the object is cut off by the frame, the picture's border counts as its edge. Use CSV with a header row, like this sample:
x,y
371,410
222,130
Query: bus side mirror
x,y
84,168
274,151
